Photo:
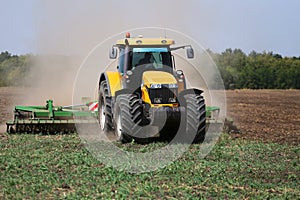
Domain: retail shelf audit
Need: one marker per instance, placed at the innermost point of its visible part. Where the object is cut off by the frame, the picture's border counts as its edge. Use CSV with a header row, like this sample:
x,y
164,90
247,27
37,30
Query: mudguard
x,y
181,95
191,91
123,91
113,80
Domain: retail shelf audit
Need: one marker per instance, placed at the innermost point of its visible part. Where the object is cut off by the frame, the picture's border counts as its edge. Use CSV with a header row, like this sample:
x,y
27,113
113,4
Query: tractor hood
x,y
158,77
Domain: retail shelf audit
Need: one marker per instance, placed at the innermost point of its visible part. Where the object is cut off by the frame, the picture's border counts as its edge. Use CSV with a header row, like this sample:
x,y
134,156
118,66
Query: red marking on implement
x,y
93,106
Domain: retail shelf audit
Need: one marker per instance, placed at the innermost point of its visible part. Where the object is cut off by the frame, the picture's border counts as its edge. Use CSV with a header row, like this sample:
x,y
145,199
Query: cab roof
x,y
139,41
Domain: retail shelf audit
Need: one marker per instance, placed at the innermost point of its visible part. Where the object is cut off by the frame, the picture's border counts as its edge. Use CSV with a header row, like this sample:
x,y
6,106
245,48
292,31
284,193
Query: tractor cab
x,y
147,53
150,53
138,55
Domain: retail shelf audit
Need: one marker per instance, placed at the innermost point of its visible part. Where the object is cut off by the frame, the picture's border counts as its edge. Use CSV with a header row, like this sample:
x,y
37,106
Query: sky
x,y
76,26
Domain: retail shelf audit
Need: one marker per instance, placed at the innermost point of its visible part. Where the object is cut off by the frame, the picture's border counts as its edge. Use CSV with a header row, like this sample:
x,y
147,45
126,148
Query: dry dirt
x,y
266,115
8,98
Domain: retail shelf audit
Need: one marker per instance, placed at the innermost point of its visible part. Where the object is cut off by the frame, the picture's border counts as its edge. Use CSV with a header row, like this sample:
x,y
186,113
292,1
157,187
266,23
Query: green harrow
x,y
49,119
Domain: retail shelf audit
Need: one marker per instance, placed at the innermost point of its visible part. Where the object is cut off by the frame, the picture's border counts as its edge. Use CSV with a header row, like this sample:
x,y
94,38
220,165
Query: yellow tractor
x,y
146,90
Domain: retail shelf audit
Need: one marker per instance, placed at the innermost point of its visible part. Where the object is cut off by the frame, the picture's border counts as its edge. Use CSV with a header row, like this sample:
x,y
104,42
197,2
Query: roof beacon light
x,y
127,35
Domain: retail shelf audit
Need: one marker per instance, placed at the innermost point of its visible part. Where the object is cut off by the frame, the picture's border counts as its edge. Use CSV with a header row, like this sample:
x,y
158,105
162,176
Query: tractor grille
x,y
164,95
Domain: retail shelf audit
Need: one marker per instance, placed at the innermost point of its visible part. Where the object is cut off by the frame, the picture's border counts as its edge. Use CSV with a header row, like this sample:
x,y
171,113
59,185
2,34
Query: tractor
x,y
145,98
147,91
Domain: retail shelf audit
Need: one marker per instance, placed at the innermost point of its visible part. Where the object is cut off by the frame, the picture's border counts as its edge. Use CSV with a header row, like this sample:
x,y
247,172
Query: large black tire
x,y
195,118
128,117
105,116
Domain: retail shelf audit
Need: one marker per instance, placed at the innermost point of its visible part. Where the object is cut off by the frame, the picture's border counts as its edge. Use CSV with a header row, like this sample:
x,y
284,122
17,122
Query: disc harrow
x,y
49,119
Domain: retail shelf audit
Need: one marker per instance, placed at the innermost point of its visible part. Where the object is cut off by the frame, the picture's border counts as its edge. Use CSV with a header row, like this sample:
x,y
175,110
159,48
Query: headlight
x,y
172,100
157,100
129,72
179,72
155,86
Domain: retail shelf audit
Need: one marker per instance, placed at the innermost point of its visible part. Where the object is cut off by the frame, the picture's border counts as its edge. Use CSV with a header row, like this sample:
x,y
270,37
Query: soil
x,y
8,98
265,115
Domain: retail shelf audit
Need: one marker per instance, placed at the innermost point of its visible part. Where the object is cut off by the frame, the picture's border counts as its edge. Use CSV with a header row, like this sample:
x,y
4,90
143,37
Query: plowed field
x,y
267,115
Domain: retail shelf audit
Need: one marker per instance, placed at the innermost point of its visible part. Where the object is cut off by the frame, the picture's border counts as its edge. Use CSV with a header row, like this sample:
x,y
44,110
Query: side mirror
x,y
113,53
190,52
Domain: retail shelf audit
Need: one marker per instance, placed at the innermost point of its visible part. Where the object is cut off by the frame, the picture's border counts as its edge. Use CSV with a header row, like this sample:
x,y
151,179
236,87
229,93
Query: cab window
x,y
159,57
121,61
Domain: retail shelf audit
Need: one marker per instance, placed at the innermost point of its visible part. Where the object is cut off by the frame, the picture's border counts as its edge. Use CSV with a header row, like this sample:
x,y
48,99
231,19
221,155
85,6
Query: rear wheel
x,y
105,108
195,118
127,117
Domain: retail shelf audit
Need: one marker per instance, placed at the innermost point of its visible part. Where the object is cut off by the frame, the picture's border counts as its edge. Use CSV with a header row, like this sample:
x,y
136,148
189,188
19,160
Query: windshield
x,y
159,57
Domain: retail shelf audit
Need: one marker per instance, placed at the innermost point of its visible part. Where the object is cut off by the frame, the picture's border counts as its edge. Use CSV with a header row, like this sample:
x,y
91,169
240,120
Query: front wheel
x,y
127,117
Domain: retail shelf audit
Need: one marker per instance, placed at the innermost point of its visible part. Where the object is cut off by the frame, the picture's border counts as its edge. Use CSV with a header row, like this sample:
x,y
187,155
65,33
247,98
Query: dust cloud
x,y
67,31
51,77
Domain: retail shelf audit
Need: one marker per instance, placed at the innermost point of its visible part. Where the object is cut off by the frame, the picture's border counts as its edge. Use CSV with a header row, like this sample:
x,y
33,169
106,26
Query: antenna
x,y
165,33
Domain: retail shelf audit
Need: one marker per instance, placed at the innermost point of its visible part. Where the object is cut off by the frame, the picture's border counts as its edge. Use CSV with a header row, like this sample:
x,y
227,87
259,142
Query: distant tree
x,y
14,69
278,56
4,56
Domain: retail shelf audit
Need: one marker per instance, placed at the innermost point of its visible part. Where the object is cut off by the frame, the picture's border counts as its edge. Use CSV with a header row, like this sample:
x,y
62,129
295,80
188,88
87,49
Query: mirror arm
x,y
180,47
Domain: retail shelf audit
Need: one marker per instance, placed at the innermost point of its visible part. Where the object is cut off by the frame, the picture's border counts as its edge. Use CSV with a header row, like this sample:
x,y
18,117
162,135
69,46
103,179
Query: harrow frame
x,y
49,119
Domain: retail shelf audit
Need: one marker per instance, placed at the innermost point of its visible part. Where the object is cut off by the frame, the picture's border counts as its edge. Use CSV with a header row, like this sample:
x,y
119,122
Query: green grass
x,y
52,167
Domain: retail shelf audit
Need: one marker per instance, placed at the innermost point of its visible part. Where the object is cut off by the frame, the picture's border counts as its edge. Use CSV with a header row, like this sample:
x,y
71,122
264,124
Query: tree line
x,y
14,69
264,70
